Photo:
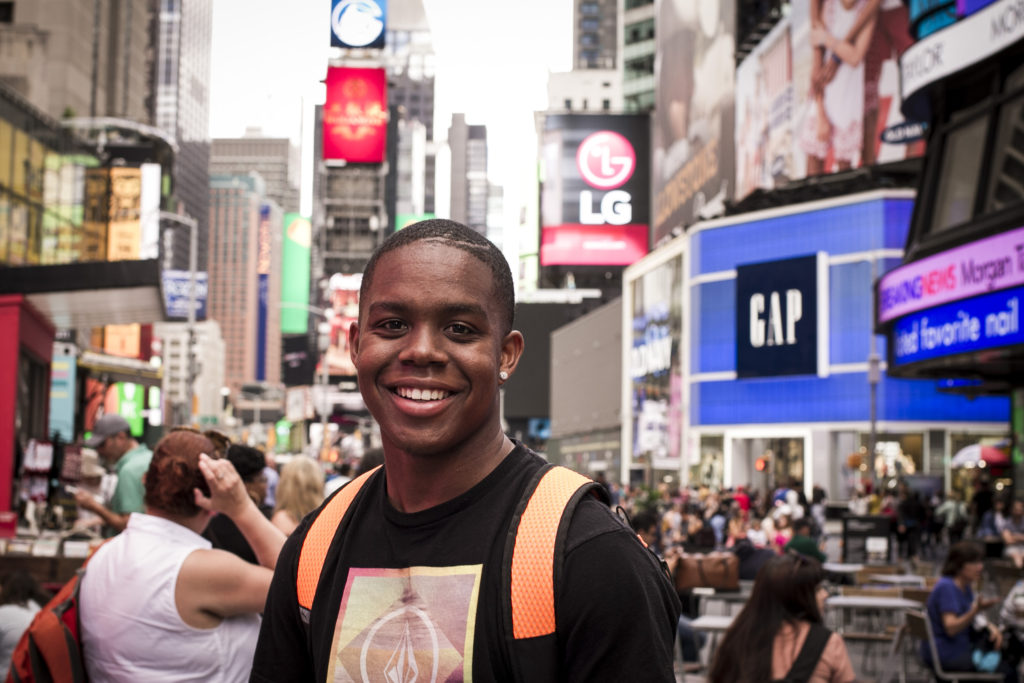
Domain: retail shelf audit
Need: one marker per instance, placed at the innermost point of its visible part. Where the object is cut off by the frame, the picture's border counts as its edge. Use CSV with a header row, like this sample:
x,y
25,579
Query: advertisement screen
x,y
803,109
692,140
655,365
263,247
355,115
124,236
358,23
984,322
295,273
176,294
778,317
594,194
345,303
985,265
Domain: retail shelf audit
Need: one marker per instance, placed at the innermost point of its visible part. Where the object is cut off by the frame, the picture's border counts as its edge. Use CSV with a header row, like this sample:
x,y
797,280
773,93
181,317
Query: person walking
x,y
413,581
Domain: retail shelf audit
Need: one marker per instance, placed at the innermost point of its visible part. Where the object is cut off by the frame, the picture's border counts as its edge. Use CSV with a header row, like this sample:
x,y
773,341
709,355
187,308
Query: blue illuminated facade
x,y
850,234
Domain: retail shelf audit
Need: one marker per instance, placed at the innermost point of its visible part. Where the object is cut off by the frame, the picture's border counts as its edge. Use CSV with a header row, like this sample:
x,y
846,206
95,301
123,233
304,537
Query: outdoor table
x,y
729,598
898,579
854,602
713,624
842,567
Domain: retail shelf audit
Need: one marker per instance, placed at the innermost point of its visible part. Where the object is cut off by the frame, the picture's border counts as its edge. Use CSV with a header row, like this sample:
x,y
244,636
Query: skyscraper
x,y
181,105
240,255
275,159
468,145
595,34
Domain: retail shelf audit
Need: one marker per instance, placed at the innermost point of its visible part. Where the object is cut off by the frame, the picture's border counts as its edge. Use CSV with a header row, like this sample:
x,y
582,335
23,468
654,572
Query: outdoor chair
x,y
920,631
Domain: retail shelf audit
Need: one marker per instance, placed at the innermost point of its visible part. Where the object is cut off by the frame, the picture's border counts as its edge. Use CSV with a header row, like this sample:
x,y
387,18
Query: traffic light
x,y
761,464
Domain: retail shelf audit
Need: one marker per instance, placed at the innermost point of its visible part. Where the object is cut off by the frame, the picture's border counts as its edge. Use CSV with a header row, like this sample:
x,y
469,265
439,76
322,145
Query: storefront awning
x,y
86,295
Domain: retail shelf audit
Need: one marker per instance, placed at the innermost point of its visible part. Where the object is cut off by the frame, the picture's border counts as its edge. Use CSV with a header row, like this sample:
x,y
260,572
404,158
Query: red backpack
x,y
50,650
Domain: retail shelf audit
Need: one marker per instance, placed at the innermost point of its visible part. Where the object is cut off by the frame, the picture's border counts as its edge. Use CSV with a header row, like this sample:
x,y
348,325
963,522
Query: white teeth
x,y
422,394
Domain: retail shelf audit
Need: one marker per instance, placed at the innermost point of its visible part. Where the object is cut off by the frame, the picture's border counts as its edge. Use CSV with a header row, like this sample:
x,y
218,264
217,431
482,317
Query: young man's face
x,y
429,346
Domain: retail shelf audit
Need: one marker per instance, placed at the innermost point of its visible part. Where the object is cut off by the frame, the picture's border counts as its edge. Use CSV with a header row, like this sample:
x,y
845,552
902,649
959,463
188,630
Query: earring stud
x,y
503,375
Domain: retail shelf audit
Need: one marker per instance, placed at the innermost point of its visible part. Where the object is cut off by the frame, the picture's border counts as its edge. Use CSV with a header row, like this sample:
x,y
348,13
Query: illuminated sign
x,y
596,166
358,23
782,317
176,284
355,115
984,322
986,265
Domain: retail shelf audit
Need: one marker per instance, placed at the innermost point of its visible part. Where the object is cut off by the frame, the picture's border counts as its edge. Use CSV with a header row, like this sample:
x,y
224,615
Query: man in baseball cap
x,y
112,438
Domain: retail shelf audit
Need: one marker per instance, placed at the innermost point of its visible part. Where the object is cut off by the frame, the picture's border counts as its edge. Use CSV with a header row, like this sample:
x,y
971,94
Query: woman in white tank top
x,y
156,602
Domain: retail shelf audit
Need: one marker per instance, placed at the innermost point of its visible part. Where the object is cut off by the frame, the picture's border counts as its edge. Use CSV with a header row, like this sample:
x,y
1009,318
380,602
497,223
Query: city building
x,y
469,184
638,55
74,59
180,105
595,34
951,311
586,90
749,357
204,402
245,285
275,159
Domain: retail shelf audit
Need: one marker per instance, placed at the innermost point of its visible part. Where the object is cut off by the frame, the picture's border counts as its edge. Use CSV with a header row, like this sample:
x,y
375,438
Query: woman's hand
x,y
820,37
227,491
997,637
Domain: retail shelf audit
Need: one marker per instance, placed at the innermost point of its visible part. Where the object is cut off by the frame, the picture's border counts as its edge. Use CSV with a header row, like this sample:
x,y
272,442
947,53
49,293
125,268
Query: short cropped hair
x,y
452,234
249,462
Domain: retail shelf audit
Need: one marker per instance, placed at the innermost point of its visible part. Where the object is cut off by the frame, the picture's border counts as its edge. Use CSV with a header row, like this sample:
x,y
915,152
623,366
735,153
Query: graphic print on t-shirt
x,y
406,625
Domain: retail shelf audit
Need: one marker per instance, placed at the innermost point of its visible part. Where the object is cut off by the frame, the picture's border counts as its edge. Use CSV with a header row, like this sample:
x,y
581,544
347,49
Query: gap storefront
x,y
754,367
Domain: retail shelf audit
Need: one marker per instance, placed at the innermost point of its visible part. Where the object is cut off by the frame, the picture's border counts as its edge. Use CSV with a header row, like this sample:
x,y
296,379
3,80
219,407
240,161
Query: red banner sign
x,y
355,115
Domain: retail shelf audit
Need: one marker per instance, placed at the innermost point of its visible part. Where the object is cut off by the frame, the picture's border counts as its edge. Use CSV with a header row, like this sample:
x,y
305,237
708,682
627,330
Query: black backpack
x,y
808,657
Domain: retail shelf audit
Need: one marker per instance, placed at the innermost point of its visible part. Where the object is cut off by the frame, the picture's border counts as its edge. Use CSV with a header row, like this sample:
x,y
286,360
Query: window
x,y
606,104
568,104
961,165
1007,186
6,12
590,24
589,8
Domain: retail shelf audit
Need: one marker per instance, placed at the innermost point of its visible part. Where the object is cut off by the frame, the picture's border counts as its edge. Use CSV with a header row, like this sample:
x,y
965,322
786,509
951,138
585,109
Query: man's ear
x,y
511,351
353,341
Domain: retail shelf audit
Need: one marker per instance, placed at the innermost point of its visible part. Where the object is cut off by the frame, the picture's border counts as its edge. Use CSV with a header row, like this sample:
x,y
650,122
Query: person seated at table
x,y
1013,533
765,639
953,608
802,542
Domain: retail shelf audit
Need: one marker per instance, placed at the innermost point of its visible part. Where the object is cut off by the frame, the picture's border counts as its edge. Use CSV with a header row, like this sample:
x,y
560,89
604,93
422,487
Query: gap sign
x,y
779,327
984,322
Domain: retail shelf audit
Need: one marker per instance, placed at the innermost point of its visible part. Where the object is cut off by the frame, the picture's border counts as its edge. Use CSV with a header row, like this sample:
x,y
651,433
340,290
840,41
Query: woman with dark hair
x,y
765,639
952,607
21,597
157,602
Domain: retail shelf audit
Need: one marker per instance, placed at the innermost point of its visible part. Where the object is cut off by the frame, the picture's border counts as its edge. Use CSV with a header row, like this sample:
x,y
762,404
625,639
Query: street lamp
x,y
193,257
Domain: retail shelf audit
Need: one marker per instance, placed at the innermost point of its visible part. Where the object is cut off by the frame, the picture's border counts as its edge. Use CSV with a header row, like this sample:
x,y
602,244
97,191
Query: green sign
x,y
295,274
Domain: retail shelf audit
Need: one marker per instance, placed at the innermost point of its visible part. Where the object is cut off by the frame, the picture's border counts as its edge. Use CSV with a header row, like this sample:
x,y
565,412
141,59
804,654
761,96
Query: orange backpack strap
x,y
319,536
538,533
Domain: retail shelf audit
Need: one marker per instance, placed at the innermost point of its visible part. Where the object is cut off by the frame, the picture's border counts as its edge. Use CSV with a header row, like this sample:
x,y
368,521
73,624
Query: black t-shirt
x,y
423,592
225,534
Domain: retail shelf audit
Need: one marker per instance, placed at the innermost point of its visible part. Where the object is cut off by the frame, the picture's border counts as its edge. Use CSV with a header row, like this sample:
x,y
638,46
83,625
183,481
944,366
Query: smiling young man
x,y
412,586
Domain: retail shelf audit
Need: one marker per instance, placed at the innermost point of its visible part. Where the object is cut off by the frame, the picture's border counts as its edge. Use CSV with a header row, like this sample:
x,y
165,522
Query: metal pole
x,y
874,376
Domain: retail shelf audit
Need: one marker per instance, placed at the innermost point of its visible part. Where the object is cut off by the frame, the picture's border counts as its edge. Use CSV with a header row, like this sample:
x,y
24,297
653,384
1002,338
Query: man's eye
x,y
392,325
459,328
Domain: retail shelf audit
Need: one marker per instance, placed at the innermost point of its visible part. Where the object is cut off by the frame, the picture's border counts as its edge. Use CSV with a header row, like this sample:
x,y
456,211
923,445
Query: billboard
x,y
355,115
782,317
358,23
263,247
176,284
692,141
344,293
295,274
124,234
655,364
594,208
63,397
971,269
803,109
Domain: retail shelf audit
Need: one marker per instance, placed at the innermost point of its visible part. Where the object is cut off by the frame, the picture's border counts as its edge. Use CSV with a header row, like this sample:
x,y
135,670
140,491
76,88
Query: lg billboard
x,y
594,196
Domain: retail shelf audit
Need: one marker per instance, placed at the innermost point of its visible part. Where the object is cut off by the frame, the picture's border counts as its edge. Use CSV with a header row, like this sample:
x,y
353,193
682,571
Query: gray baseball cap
x,y
108,425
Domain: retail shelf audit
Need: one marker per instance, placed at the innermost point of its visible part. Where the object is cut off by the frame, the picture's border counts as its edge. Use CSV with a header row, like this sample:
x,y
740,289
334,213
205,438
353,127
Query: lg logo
x,y
357,23
606,160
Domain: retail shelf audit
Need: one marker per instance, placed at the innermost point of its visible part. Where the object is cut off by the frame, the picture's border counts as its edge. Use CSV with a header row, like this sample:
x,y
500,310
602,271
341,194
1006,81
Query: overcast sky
x,y
493,59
